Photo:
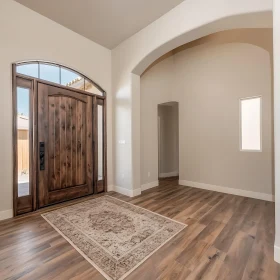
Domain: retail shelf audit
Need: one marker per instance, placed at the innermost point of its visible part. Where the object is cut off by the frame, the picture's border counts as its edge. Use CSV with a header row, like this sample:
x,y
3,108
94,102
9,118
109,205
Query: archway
x,y
132,57
188,21
206,77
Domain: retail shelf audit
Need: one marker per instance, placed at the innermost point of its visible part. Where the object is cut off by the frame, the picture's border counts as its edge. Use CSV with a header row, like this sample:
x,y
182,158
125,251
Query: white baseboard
x,y
110,188
149,185
277,253
124,191
257,195
169,174
136,192
6,214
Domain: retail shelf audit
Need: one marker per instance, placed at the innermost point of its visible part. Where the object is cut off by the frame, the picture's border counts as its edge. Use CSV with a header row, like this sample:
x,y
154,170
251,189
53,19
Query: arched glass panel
x,y
68,77
30,69
89,87
23,111
58,74
49,73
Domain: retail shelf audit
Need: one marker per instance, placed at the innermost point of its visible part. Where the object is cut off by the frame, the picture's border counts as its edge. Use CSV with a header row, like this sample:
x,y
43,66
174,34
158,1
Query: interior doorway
x,y
168,140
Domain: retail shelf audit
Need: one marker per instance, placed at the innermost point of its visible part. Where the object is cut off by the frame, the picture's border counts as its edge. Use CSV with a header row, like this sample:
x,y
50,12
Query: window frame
x,y
101,183
240,124
23,204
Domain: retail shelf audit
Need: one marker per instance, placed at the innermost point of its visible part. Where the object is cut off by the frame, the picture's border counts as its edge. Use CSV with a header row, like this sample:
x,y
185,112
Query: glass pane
x,y
49,73
29,69
251,124
72,79
23,141
100,141
89,87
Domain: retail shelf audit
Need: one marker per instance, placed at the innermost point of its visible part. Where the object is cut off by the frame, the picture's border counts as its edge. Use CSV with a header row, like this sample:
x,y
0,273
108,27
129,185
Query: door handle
x,y
42,155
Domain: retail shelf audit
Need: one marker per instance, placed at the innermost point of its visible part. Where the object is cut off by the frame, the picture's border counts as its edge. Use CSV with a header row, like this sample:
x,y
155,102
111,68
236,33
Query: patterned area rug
x,y
113,235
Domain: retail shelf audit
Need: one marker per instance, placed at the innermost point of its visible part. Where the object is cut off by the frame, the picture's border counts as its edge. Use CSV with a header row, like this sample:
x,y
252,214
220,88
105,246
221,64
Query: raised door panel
x,y
67,142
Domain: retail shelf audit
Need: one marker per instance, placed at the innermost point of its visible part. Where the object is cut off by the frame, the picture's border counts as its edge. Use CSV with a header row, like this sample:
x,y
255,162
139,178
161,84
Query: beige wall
x,y
27,35
156,86
207,79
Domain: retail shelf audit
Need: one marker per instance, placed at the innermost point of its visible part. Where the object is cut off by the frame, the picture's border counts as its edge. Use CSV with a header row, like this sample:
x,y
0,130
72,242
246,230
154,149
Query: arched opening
x,y
59,138
209,77
134,56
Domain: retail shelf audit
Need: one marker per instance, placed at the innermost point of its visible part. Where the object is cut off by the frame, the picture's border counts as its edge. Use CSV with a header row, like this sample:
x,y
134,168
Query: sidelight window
x,y
100,141
23,119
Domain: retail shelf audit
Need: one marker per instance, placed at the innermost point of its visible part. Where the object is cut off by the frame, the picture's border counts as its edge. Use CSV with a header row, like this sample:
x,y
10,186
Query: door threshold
x,y
53,207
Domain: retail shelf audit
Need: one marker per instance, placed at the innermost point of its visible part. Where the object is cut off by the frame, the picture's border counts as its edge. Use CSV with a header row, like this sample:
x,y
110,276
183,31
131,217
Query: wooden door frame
x,y
99,102
23,204
33,197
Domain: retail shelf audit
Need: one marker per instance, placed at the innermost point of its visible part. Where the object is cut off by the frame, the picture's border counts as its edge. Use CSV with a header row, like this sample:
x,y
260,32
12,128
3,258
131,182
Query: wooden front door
x,y
65,128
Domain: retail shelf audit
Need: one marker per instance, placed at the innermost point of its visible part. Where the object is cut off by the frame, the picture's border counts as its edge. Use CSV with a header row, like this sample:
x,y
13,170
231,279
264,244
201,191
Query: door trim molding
x,y
23,204
34,139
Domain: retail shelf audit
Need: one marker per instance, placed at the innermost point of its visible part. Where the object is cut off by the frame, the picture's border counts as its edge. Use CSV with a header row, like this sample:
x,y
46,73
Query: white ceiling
x,y
106,22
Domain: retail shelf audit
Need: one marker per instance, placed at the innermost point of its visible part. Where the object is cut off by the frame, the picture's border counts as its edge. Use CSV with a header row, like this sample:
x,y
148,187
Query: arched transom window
x,y
58,74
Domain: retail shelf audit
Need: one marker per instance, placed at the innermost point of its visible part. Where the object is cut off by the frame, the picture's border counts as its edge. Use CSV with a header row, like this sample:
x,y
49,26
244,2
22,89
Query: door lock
x,y
42,155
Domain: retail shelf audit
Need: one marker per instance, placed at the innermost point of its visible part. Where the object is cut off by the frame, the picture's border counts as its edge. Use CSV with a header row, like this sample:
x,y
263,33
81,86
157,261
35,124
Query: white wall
x,y
208,80
27,35
276,47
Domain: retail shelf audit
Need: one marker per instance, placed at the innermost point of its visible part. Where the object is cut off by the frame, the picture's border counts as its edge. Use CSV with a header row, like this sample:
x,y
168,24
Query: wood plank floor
x,y
228,237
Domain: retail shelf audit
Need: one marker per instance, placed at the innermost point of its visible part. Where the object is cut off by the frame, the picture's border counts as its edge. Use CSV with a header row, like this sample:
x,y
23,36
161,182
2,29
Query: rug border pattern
x,y
91,262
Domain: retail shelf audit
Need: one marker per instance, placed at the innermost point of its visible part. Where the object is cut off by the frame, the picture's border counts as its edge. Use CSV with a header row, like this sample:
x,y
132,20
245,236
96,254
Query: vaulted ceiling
x,y
106,22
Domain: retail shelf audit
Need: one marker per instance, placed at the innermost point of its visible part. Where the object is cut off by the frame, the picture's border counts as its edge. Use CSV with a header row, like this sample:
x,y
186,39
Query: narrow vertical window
x,y
100,141
23,100
250,114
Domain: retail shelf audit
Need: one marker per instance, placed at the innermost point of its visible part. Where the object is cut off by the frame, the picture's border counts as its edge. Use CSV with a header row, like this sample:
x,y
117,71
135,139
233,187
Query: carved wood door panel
x,y
65,136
